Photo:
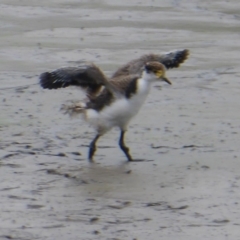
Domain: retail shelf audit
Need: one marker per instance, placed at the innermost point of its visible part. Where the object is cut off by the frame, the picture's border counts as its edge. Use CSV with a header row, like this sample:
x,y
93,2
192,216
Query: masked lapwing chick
x,y
110,103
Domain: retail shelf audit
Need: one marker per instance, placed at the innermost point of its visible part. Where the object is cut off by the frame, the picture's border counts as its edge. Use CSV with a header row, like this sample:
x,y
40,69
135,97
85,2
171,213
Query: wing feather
x,y
87,76
169,60
125,85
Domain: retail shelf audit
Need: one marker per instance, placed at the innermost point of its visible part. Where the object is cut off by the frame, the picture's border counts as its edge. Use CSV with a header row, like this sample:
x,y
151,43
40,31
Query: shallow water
x,y
188,188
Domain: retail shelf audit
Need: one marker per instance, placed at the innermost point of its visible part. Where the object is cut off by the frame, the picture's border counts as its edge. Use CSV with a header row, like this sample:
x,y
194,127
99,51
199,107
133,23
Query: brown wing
x,y
174,59
126,86
86,76
169,60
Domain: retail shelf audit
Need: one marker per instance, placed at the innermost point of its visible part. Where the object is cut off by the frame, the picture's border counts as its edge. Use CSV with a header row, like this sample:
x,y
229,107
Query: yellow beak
x,y
159,74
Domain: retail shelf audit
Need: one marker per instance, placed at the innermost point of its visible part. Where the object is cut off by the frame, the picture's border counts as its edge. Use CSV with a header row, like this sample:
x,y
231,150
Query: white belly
x,y
119,112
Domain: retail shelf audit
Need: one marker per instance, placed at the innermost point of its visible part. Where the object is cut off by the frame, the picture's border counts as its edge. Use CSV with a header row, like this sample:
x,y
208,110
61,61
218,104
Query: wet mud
x,y
187,133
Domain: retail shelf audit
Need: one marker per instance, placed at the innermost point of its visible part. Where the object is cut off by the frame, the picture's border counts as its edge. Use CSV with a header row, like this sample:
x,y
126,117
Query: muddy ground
x,y
189,132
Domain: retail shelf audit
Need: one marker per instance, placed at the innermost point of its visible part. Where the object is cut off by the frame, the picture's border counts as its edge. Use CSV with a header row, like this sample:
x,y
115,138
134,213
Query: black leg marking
x,y
92,148
124,148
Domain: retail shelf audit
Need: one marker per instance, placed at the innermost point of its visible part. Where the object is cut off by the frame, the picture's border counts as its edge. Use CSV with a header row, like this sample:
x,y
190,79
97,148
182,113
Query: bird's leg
x,y
124,148
92,148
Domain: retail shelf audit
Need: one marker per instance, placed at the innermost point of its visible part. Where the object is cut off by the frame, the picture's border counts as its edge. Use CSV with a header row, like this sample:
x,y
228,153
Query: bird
x,y
112,102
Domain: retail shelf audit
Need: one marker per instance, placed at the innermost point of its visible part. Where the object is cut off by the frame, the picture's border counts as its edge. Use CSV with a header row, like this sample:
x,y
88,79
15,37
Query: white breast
x,y
137,100
121,111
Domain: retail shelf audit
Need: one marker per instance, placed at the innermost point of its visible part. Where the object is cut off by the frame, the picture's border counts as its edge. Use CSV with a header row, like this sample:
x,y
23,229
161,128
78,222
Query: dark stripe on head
x,y
154,67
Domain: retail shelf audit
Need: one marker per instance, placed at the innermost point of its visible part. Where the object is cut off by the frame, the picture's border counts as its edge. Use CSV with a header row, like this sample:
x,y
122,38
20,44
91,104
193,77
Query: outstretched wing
x,y
86,76
169,60
174,59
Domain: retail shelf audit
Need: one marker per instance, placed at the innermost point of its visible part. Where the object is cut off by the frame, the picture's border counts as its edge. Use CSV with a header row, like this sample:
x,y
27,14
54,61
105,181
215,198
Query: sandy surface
x,y
189,131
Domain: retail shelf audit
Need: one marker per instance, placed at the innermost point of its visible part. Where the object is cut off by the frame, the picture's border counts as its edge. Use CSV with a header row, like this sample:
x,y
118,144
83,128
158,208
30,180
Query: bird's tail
x,y
73,109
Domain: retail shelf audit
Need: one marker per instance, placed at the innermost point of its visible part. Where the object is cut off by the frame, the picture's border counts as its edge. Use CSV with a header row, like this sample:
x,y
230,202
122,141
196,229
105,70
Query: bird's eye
x,y
147,68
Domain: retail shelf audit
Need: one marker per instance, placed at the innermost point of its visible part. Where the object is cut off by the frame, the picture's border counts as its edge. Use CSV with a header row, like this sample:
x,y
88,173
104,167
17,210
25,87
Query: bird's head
x,y
156,71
